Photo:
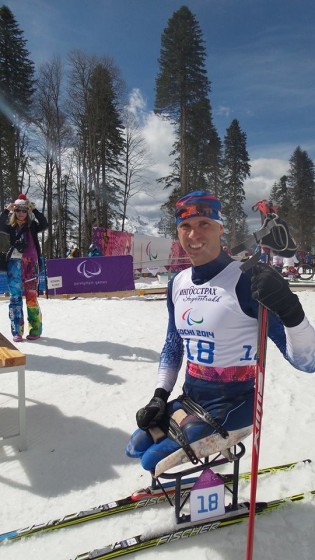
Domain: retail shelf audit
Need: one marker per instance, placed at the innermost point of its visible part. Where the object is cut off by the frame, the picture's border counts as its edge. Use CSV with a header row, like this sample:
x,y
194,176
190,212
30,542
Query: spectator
x,y
94,251
22,222
277,262
289,269
74,253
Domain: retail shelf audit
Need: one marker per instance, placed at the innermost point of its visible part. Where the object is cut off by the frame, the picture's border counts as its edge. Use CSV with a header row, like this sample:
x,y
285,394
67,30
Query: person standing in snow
x,y
94,251
277,262
74,253
213,311
289,267
22,222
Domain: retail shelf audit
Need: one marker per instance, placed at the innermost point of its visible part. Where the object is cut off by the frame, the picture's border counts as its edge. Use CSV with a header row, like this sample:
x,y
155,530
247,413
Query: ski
x,y
143,498
231,517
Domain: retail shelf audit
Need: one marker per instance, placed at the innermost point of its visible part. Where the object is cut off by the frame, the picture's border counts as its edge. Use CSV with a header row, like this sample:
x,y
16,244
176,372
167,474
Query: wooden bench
x,y
11,359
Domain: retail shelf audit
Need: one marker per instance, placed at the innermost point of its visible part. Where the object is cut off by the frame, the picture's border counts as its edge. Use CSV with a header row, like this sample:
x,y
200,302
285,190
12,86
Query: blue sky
x,y
260,61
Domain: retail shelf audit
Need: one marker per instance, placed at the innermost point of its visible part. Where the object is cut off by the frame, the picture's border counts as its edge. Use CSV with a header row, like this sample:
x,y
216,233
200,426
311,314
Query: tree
x,y
236,170
95,95
182,89
215,164
281,198
105,144
135,160
54,140
16,91
301,182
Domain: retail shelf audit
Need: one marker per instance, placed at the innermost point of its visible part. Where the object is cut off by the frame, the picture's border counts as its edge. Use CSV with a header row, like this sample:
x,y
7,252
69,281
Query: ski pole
x,y
262,336
258,413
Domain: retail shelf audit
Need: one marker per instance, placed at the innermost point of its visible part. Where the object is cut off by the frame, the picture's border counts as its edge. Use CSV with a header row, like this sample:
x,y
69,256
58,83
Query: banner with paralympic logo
x,y
88,275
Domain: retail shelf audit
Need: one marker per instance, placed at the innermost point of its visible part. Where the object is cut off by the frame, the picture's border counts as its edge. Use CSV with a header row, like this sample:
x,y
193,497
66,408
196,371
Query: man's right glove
x,y
153,413
273,291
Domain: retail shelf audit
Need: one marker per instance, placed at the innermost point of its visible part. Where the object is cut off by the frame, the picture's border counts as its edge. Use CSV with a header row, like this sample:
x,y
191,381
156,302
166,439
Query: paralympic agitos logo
x,y
89,268
149,252
186,316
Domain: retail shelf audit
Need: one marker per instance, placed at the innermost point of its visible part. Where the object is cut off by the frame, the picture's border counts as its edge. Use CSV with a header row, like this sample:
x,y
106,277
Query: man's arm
x,y
173,350
273,291
170,362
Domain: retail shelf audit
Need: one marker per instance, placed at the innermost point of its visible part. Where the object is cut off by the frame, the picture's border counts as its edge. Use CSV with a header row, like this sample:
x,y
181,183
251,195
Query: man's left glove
x,y
153,413
271,290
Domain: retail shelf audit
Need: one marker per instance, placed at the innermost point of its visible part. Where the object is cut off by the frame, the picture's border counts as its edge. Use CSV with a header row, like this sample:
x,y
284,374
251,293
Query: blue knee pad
x,y
139,442
157,452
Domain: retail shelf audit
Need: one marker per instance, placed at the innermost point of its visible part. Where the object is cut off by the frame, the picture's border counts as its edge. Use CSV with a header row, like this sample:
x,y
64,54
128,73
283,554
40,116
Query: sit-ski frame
x,y
181,497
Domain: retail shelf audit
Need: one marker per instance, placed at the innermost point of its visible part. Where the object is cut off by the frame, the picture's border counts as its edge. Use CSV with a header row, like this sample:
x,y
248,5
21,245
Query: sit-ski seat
x,y
181,477
219,445
204,447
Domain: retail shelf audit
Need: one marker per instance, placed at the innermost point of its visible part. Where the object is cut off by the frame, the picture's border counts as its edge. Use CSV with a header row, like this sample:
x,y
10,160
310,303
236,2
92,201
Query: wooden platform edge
x,y
10,356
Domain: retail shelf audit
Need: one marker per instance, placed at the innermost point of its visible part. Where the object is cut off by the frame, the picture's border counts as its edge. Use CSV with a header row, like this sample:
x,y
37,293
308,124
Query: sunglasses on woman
x,y
21,210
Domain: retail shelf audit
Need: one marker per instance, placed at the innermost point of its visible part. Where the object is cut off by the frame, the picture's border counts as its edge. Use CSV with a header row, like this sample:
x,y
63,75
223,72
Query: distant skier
x,y
213,310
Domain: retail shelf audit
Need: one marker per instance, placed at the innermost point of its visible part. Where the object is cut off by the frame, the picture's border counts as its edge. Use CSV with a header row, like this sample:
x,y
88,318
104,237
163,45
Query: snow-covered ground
x,y
86,378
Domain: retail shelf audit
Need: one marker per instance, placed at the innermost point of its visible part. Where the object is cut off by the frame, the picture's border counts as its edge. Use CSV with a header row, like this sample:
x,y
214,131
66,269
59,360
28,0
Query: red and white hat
x,y
22,202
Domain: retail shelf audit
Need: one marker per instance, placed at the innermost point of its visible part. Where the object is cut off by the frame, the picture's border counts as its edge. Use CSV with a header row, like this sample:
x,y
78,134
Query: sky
x,y
260,61
83,388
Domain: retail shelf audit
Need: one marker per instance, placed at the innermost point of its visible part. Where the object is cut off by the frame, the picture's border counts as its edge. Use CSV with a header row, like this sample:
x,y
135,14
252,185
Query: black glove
x,y
273,291
153,413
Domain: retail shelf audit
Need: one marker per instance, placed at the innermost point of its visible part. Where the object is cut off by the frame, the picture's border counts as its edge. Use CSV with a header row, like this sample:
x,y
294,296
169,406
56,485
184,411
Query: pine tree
x,y
182,89
281,198
16,91
236,170
301,182
105,144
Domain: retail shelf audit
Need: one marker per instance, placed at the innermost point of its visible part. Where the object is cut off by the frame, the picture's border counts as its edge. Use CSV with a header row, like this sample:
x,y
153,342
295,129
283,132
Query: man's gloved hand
x,y
153,413
273,291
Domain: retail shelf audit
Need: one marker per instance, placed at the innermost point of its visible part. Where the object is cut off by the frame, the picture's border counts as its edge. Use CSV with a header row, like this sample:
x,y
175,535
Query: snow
x,y
86,378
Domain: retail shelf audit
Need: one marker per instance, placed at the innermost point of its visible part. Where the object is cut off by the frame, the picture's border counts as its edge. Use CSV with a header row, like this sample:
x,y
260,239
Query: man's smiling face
x,y
200,238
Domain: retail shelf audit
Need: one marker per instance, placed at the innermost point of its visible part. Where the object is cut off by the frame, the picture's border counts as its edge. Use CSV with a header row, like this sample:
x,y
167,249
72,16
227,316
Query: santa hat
x,y
23,203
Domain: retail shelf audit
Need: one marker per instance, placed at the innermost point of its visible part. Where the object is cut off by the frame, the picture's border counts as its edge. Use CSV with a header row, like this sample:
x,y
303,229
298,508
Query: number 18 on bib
x,y
207,497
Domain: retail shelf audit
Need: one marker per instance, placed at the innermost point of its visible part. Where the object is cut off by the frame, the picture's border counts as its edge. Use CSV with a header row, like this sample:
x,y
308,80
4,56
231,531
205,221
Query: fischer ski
x,y
231,517
140,499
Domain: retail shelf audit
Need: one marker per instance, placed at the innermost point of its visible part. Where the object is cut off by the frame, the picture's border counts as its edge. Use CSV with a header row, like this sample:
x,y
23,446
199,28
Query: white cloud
x,y
159,135
159,138
137,104
270,168
223,110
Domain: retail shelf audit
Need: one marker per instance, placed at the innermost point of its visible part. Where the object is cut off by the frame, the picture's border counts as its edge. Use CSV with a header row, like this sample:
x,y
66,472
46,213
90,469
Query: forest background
x,y
70,138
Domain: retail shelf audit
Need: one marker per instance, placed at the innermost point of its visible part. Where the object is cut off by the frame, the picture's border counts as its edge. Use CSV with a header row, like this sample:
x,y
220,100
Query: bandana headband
x,y
198,203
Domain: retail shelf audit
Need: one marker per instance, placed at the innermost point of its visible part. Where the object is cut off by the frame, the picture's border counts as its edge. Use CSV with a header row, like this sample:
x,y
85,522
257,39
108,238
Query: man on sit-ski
x,y
213,310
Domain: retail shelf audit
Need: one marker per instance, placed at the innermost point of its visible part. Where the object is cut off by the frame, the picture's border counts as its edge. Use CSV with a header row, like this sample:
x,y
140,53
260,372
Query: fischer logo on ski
x,y
188,532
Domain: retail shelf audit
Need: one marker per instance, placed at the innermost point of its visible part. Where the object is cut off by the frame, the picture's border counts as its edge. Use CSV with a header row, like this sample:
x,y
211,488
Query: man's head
x,y
200,226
